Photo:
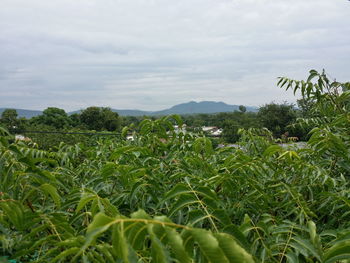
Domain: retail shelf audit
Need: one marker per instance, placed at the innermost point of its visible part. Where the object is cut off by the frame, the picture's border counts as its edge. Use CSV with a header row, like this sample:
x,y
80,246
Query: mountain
x,y
133,112
191,107
25,113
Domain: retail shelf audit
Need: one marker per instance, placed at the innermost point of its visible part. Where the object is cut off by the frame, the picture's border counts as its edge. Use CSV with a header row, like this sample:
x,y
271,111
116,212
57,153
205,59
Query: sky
x,y
153,54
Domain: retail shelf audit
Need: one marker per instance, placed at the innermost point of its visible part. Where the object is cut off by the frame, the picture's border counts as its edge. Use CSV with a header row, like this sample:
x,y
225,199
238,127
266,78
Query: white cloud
x,y
153,54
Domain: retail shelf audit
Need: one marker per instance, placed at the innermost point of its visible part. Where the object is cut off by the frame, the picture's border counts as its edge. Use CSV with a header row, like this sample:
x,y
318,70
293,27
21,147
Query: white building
x,y
212,130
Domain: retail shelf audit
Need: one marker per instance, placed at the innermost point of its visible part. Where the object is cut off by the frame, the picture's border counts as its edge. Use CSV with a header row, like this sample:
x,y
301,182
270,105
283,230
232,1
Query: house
x,y
212,130
20,137
179,129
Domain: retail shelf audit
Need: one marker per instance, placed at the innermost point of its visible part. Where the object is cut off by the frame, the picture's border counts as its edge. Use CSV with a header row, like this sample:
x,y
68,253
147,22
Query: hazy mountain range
x,y
191,107
24,113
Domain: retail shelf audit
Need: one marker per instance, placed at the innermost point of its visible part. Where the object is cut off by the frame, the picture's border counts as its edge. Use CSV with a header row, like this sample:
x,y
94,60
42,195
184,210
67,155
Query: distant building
x,y
212,130
178,129
20,137
209,128
130,138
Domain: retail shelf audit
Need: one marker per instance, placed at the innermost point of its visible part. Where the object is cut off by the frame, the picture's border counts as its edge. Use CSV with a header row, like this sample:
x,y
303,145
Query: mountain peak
x,y
191,107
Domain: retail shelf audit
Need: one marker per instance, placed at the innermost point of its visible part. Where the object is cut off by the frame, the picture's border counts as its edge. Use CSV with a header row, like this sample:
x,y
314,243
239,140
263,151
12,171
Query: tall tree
x,y
92,118
54,117
242,108
9,119
111,119
276,117
97,118
307,107
9,116
230,131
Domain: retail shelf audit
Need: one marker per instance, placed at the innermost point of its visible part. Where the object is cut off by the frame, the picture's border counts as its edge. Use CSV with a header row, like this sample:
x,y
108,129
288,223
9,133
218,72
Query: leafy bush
x,y
169,196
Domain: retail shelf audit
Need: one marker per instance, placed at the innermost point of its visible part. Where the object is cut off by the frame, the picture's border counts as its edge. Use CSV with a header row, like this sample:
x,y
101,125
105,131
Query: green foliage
x,y
330,136
230,122
307,107
169,196
242,109
9,119
51,141
54,117
230,131
277,117
98,119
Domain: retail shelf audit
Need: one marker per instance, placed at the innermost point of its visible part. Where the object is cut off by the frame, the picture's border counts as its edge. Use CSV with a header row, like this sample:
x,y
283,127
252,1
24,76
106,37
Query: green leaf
x,y
234,252
235,232
108,169
338,252
121,245
99,224
177,246
307,246
209,246
158,250
85,198
176,190
66,253
273,149
313,74
52,191
184,200
124,131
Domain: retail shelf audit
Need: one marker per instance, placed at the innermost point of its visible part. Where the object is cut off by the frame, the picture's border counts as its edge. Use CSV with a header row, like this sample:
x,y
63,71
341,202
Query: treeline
x,y
278,118
92,118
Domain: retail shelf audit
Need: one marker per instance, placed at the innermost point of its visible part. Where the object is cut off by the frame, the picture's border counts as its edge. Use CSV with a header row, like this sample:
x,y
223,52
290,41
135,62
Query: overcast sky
x,y
153,54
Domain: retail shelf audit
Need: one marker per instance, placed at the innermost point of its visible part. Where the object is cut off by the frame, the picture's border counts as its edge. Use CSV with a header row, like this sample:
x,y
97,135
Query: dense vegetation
x,y
276,117
169,196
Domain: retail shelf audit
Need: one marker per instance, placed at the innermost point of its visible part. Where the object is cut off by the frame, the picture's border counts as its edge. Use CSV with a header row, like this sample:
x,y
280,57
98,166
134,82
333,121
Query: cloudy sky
x,y
152,54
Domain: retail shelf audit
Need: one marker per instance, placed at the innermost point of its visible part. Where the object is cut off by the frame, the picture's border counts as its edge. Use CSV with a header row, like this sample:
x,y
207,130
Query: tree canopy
x,y
98,118
54,117
277,117
9,118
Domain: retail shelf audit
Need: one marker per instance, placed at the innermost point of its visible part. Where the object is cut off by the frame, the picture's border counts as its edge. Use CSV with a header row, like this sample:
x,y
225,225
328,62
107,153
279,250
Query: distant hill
x,y
191,107
24,113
